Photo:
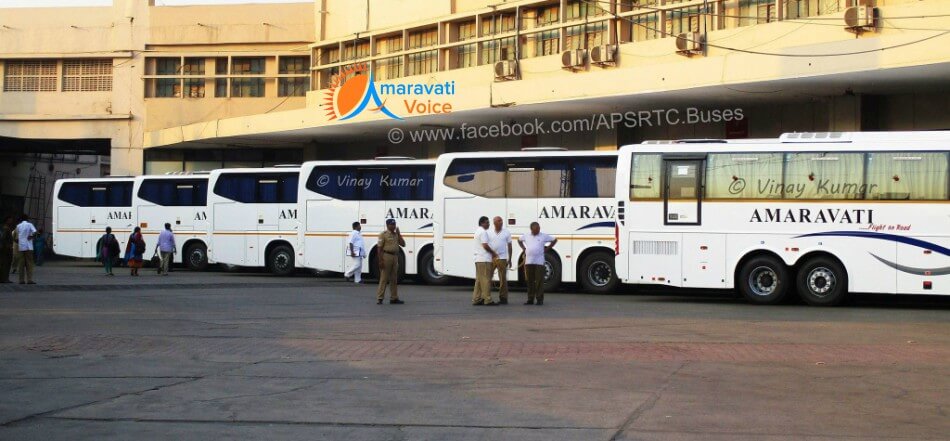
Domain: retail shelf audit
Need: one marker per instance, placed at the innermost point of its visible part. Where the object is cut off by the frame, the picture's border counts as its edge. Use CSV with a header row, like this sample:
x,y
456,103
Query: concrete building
x,y
161,89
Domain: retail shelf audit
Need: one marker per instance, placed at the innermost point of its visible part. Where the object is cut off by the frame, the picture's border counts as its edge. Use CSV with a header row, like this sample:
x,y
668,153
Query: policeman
x,y
388,245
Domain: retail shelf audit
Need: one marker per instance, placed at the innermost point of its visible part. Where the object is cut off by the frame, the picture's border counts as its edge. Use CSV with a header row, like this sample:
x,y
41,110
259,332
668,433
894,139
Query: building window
x,y
498,24
466,55
497,50
355,50
247,66
645,27
294,65
546,43
423,62
388,68
585,36
548,15
167,66
466,30
193,66
87,75
578,9
293,86
423,38
330,55
220,87
29,76
195,87
683,20
247,87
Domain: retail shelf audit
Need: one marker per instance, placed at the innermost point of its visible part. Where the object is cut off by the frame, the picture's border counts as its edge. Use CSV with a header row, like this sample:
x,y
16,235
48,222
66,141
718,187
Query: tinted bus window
x,y
478,176
907,176
263,188
175,192
349,183
594,177
97,194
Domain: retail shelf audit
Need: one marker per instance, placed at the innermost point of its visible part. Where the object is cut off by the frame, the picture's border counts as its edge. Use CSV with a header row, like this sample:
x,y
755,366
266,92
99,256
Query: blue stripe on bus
x,y
429,225
610,224
884,236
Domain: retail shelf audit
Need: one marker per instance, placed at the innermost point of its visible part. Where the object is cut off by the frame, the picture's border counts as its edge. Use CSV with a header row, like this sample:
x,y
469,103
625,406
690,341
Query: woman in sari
x,y
134,251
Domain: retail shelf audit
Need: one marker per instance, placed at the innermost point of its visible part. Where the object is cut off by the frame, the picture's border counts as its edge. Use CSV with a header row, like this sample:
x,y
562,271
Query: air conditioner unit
x,y
861,18
690,43
574,59
506,70
604,55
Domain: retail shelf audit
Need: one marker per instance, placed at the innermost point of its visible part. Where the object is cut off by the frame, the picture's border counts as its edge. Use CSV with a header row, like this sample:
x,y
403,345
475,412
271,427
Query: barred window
x,y
388,68
29,76
466,55
497,50
247,87
424,38
423,62
355,50
548,15
466,30
247,65
195,87
87,75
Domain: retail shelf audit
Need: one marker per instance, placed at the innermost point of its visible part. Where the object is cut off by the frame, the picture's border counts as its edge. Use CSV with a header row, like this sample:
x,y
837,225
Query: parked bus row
x,y
817,214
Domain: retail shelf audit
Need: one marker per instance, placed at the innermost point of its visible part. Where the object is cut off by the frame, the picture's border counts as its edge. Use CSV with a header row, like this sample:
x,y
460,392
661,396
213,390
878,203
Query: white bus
x,y
334,194
83,208
569,193
253,217
822,214
180,200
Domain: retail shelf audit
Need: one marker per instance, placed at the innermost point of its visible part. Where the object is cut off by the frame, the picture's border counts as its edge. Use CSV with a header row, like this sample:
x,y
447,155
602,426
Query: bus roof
x,y
527,154
810,142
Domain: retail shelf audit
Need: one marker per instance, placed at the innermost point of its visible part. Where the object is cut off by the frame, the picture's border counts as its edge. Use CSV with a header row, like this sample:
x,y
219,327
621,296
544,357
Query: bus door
x,y
682,196
522,207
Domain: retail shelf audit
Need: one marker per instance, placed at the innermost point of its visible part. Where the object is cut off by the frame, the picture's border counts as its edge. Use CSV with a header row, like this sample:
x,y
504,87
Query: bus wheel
x,y
196,257
427,271
763,280
597,274
822,281
552,272
281,260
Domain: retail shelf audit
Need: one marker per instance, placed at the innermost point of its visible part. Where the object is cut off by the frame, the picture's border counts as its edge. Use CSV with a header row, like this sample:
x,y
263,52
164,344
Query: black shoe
x,y
540,302
478,303
379,302
529,302
490,304
503,302
396,302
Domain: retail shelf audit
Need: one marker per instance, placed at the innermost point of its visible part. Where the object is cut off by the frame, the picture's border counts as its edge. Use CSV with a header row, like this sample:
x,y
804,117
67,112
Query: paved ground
x,y
248,356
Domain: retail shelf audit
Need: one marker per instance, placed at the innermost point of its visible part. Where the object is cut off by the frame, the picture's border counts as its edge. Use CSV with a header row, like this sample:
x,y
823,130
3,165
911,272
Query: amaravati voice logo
x,y
350,93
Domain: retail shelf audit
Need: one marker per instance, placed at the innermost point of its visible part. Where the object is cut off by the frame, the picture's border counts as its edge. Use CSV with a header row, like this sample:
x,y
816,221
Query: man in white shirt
x,y
499,239
484,255
25,232
534,246
357,252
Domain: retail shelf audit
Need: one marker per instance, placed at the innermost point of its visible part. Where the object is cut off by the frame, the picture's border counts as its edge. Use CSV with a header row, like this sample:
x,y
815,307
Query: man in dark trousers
x,y
534,245
387,255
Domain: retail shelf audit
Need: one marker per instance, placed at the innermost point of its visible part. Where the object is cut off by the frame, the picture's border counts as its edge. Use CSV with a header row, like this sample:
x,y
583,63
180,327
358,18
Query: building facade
x,y
138,88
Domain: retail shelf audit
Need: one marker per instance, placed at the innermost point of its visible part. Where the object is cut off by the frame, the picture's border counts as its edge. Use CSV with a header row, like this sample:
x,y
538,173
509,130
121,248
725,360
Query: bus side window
x,y
76,193
918,176
645,176
594,177
477,176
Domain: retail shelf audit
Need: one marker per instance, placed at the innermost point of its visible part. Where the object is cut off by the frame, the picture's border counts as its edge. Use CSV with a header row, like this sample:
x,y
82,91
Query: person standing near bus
x,y
108,250
484,256
534,245
25,232
166,246
356,251
499,238
388,244
134,251
6,244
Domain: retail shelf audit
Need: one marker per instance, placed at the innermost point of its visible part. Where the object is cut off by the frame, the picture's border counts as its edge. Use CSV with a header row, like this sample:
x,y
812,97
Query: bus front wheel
x,y
597,274
196,257
763,280
552,272
822,281
281,260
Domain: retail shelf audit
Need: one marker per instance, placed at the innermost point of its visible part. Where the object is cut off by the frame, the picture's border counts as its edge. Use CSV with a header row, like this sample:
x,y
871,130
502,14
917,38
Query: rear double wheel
x,y
763,280
822,281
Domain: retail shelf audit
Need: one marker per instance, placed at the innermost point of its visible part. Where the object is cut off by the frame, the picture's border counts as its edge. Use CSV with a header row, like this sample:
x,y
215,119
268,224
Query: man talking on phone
x,y
387,257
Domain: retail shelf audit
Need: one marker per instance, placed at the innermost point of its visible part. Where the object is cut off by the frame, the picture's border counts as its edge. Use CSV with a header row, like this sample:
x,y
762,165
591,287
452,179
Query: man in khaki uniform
x,y
388,245
499,239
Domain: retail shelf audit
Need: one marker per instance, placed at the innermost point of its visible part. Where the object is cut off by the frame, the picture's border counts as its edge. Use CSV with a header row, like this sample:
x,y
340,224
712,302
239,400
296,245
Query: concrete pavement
x,y
249,356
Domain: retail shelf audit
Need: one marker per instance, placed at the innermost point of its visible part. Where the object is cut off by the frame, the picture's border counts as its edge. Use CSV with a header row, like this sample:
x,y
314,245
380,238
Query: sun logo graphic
x,y
351,92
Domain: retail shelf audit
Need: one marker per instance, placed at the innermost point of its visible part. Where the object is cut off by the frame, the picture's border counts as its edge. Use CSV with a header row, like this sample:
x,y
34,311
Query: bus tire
x,y
552,272
763,280
427,271
597,273
280,260
196,256
822,281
